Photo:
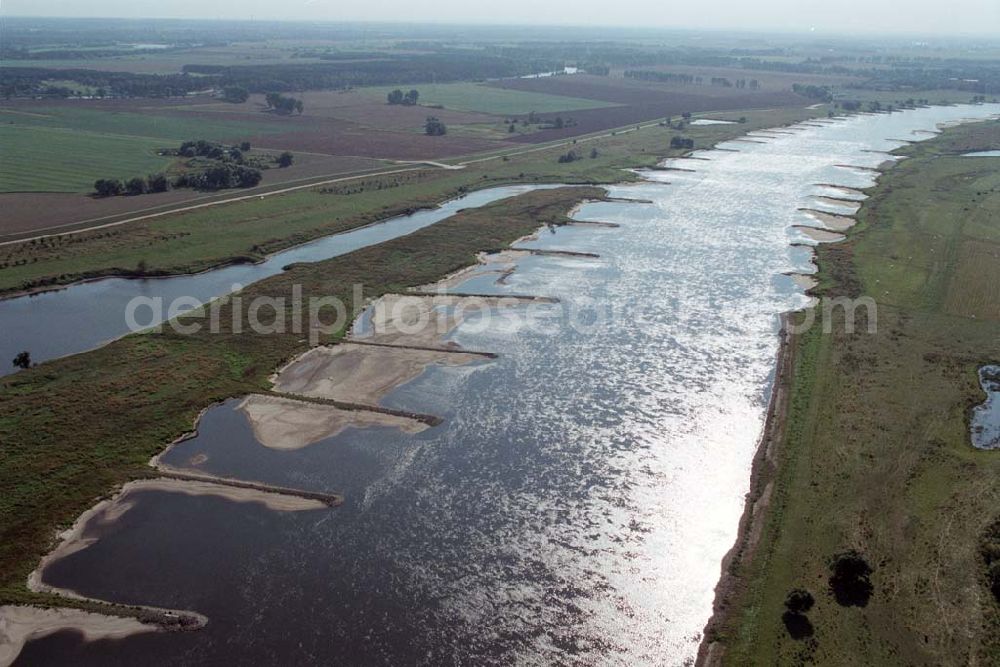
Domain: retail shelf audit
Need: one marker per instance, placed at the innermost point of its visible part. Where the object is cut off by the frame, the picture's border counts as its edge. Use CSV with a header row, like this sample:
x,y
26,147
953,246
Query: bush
x,y
285,159
799,601
849,579
158,182
108,187
434,127
136,186
682,142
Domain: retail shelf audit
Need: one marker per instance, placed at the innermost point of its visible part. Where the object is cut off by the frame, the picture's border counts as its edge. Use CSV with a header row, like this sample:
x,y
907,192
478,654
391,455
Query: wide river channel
x,y
576,502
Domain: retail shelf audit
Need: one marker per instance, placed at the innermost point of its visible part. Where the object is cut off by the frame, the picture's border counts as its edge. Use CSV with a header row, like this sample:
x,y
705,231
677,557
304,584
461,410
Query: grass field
x,y
74,428
497,101
129,123
877,454
42,159
193,241
66,149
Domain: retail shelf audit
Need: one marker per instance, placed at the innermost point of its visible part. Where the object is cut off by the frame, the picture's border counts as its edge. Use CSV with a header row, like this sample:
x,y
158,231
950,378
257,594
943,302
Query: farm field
x,y
66,148
44,159
876,454
638,101
22,209
151,121
495,100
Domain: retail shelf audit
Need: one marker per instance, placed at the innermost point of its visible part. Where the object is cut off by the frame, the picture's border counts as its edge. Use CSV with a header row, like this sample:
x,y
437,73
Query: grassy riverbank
x,y
249,230
875,453
75,428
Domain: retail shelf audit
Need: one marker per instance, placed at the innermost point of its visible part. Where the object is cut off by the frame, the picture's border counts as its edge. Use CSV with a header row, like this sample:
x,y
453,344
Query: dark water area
x,y
88,315
576,502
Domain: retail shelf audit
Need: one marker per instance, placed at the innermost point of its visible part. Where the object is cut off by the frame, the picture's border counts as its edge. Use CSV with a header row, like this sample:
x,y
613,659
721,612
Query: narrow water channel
x,y
86,315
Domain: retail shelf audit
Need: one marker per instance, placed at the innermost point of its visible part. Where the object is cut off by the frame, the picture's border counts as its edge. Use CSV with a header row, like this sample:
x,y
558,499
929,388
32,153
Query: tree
x,y
158,182
593,153
108,187
235,94
285,159
434,127
136,186
799,601
395,97
245,146
686,115
411,98
22,360
299,106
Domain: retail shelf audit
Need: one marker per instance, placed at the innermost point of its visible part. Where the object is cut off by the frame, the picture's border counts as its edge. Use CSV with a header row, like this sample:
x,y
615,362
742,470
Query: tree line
x,y
405,99
691,79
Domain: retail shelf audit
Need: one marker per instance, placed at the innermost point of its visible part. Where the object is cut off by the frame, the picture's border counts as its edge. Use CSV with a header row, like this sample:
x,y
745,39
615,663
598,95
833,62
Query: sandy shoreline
x,y
21,624
285,424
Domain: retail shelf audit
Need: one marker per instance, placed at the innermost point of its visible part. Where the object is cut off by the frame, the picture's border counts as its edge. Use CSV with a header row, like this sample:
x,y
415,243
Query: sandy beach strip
x,y
819,235
20,624
831,221
286,424
360,373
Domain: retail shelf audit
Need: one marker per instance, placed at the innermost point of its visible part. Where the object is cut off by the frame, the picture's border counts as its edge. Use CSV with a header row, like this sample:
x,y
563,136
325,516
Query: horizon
x,y
857,19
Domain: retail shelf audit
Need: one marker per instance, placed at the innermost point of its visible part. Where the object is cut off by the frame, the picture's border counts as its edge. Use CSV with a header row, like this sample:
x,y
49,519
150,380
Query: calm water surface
x,y
576,503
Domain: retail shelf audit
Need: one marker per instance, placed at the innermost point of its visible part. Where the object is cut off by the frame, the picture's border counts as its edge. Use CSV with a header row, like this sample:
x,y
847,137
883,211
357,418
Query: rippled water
x,y
87,315
575,504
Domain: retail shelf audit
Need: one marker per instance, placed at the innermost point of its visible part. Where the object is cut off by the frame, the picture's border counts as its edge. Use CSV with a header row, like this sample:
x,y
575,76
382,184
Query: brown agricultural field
x,y
28,212
642,101
360,106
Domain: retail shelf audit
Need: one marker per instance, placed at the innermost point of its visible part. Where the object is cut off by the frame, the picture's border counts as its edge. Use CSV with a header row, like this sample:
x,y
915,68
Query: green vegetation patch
x,y
877,456
43,159
496,101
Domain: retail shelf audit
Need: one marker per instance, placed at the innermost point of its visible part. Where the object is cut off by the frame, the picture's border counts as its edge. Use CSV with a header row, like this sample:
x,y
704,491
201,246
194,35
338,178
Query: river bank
x,y
859,461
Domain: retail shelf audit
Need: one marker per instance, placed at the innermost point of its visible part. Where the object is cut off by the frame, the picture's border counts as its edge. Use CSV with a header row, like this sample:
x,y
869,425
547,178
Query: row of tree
x,y
406,99
138,185
675,77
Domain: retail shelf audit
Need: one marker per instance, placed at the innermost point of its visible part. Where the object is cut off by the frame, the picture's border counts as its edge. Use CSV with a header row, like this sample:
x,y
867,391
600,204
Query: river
x,y
576,502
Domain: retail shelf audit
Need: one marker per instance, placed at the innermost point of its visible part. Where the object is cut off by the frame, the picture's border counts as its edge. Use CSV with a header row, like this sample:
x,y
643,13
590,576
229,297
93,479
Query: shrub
x,y
849,579
108,187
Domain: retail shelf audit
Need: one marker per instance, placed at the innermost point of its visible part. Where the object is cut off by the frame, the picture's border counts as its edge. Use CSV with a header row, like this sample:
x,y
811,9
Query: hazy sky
x,y
852,16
